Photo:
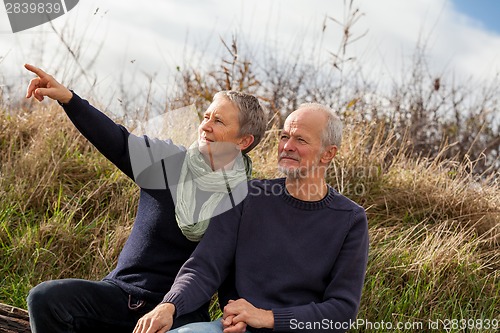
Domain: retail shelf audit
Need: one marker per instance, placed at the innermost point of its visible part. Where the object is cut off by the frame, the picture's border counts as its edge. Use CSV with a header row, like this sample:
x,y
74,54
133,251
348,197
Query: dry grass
x,y
434,226
426,170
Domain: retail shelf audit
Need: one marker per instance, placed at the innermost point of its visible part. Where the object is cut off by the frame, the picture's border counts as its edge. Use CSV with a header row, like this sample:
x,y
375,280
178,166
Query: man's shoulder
x,y
341,202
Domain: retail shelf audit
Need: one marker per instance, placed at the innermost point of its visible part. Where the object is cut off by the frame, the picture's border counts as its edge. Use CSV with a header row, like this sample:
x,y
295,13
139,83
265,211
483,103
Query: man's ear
x,y
245,141
329,153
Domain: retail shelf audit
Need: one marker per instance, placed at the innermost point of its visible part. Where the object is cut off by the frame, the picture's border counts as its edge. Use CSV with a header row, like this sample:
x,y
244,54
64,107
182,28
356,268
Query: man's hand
x,y
160,319
46,85
241,311
230,327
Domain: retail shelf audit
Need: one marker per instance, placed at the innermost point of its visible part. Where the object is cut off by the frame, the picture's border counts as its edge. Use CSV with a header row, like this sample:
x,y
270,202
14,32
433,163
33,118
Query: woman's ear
x,y
245,141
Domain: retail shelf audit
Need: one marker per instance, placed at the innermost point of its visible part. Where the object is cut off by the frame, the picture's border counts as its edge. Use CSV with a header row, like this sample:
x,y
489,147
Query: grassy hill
x,y
434,224
422,157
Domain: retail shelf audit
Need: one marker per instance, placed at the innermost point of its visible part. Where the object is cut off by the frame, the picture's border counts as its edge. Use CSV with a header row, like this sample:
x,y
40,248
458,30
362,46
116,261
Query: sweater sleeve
x,y
140,158
208,266
107,136
342,296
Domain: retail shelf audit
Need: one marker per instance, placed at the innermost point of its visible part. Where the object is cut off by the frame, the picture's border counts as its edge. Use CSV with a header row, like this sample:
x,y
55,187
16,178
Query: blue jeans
x,y
207,327
73,305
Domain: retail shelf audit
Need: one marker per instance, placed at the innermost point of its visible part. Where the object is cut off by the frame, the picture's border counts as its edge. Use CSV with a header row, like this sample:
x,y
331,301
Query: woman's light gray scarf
x,y
196,173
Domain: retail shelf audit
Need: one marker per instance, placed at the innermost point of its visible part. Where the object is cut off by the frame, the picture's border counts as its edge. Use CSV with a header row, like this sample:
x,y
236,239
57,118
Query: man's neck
x,y
306,189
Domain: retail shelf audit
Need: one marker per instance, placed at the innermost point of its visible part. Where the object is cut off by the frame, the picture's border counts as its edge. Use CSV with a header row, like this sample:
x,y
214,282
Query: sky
x,y
484,11
130,41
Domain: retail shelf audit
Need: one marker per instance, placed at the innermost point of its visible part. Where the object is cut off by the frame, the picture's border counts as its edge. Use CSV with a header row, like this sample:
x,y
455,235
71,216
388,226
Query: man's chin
x,y
290,172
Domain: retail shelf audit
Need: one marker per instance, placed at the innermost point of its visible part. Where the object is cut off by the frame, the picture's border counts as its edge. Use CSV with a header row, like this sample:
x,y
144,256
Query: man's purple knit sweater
x,y
305,261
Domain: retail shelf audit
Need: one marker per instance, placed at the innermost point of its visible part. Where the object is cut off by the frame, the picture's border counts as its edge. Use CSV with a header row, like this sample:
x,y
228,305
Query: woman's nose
x,y
206,125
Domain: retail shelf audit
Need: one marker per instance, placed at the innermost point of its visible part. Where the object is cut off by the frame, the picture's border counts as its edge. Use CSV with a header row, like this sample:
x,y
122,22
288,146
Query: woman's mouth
x,y
204,139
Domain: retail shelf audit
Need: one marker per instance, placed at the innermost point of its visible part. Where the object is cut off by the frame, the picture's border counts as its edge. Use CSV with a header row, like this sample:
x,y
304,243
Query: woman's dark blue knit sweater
x,y
156,248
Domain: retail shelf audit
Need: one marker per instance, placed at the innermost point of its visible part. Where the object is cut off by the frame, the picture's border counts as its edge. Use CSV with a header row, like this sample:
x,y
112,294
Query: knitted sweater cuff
x,y
177,300
282,318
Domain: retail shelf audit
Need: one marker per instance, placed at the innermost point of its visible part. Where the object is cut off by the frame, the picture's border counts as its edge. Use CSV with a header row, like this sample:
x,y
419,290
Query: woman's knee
x,y
48,307
37,296
44,294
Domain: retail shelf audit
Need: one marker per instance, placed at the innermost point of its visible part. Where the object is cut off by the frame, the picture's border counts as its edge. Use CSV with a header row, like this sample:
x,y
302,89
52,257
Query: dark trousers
x,y
73,305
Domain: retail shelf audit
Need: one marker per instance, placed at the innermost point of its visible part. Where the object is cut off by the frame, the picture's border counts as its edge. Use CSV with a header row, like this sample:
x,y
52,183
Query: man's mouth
x,y
288,157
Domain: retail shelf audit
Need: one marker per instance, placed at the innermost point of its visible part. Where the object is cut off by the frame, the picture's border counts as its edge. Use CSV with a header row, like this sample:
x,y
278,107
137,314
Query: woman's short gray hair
x,y
251,115
332,132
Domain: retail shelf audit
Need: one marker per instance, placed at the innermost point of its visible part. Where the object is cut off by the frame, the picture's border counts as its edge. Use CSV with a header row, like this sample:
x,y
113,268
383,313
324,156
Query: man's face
x,y
300,146
218,133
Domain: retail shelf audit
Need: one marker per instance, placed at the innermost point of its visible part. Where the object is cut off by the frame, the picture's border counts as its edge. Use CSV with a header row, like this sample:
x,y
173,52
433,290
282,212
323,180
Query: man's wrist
x,y
268,319
168,308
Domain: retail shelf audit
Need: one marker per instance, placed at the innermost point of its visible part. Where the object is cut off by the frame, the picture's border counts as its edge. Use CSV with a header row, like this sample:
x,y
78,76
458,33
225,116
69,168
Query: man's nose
x,y
289,145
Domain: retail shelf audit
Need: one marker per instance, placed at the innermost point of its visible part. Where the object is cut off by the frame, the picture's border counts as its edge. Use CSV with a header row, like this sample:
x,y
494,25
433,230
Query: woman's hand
x,y
46,85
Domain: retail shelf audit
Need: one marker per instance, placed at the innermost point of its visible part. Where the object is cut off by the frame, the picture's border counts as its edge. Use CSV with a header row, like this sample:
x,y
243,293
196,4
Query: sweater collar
x,y
307,205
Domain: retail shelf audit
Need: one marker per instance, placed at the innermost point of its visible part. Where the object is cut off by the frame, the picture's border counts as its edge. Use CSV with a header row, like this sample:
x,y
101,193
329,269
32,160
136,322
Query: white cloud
x,y
150,36
454,43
